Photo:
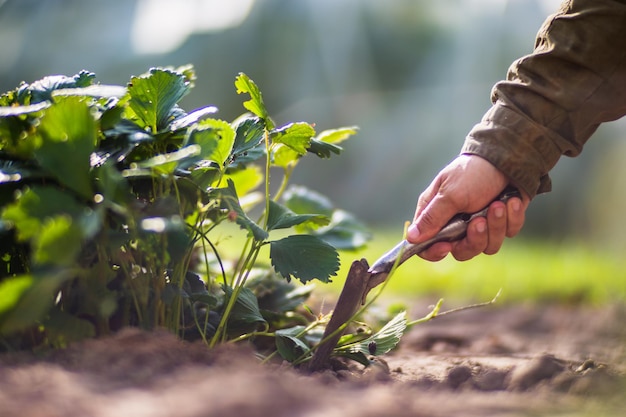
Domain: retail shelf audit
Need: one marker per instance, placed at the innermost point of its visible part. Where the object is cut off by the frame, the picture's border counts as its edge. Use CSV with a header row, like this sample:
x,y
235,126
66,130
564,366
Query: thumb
x,y
431,219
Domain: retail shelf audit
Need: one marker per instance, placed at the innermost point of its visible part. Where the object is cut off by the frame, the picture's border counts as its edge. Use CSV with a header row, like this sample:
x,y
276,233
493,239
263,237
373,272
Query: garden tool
x,y
362,278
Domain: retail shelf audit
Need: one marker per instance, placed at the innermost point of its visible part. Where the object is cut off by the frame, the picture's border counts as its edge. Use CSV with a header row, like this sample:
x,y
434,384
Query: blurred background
x,y
413,75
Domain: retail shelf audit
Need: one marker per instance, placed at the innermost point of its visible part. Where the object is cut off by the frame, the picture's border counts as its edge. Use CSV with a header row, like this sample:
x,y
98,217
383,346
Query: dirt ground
x,y
522,360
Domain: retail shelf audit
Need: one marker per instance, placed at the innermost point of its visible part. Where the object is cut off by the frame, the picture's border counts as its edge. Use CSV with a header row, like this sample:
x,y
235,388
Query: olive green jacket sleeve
x,y
554,99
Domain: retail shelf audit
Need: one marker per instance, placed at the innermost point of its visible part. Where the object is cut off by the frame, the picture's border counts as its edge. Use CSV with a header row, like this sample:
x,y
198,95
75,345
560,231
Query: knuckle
x,y
427,219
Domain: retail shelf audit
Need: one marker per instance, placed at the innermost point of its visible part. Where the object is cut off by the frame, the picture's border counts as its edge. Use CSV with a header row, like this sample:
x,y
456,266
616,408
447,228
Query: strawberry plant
x,y
111,203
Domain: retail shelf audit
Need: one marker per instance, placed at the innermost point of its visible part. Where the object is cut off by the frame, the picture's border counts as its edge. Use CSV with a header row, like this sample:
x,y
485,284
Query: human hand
x,y
467,185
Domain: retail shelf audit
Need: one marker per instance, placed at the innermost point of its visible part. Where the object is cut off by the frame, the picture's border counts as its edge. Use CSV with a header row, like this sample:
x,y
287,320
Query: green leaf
x,y
245,85
278,296
335,136
54,222
296,136
303,200
58,242
37,204
9,99
382,341
230,201
68,130
63,328
216,138
344,232
12,289
283,156
98,90
289,346
280,217
32,303
21,110
245,180
249,140
205,177
168,162
154,95
326,142
358,356
121,134
42,90
192,118
111,184
246,308
322,149
305,257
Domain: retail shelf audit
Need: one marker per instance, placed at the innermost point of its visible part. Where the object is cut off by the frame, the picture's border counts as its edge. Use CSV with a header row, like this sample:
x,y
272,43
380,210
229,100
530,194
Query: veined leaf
x,y
277,296
246,308
283,156
98,90
191,118
382,341
305,257
249,138
245,85
296,136
216,138
205,177
68,130
188,72
336,136
326,142
323,149
289,346
280,217
344,232
167,163
21,110
41,90
230,201
121,135
154,95
245,180
207,139
302,200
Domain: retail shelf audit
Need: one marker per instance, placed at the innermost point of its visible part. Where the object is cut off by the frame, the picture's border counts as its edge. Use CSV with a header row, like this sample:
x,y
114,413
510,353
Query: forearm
x,y
554,99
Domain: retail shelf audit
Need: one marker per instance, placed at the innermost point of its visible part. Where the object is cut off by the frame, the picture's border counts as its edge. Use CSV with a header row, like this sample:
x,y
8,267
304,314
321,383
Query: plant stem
x,y
252,334
435,311
220,333
283,183
268,164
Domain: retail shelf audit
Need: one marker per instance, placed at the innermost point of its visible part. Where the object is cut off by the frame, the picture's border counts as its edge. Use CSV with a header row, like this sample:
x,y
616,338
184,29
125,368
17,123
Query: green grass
x,y
525,271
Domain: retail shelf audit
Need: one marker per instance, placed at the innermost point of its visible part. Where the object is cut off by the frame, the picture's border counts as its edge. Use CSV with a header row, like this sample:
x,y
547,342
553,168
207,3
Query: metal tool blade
x,y
362,278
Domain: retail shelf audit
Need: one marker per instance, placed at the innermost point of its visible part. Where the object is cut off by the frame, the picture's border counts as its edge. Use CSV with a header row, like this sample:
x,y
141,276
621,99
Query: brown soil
x,y
496,361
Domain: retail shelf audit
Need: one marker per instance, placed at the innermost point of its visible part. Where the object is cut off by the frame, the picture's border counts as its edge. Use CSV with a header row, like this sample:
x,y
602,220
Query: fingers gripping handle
x,y
454,230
